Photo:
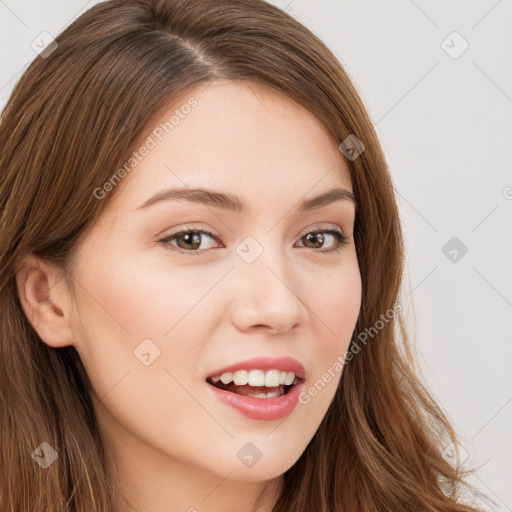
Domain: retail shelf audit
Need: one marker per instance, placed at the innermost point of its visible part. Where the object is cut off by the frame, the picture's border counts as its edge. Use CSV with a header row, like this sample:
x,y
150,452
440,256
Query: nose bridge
x,y
266,287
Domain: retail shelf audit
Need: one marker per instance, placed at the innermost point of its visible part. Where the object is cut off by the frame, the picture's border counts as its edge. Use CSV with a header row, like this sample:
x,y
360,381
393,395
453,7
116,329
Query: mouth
x,y
255,391
259,394
261,388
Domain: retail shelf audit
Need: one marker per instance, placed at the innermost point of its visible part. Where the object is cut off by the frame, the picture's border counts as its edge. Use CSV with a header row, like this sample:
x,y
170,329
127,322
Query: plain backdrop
x,y
436,77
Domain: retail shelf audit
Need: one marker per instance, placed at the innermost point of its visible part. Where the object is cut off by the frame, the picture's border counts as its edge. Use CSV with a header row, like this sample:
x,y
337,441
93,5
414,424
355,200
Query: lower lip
x,y
261,408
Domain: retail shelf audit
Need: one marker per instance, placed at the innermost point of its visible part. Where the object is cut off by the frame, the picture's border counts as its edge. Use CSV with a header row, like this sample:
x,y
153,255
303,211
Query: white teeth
x,y
269,379
290,377
226,378
269,394
240,378
256,378
272,379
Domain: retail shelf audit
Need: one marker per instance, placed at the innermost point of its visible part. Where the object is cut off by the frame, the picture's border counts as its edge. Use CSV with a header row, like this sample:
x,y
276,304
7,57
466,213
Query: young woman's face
x,y
158,312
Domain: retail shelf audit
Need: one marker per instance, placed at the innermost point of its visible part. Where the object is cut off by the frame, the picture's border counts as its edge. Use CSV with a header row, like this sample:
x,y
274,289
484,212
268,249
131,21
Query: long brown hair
x,y
72,120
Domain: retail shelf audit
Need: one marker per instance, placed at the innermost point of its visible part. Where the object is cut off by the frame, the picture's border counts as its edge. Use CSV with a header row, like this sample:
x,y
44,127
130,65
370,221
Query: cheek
x,y
123,305
127,314
334,304
334,301
144,299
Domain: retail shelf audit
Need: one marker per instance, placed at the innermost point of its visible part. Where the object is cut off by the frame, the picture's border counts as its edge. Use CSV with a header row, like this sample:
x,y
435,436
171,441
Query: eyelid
x,y
194,229
319,227
305,231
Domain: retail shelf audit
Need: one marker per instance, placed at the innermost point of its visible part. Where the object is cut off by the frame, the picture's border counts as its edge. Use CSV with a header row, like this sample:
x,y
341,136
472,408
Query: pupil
x,y
319,237
192,238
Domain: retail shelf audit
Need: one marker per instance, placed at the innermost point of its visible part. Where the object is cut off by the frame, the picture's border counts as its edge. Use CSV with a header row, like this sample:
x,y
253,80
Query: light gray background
x,y
446,126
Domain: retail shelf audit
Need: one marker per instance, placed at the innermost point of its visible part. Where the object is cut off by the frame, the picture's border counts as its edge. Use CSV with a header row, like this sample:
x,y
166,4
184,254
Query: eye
x,y
317,239
190,240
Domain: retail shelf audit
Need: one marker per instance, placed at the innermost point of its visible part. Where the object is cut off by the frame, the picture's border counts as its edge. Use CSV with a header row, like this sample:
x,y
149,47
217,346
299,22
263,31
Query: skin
x,y
174,445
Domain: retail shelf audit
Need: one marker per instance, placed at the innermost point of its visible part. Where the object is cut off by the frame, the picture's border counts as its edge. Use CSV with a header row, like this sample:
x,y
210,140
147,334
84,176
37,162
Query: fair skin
x,y
175,445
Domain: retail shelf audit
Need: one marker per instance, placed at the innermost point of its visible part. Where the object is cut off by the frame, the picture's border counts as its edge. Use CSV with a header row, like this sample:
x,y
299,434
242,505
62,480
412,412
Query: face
x,y
157,311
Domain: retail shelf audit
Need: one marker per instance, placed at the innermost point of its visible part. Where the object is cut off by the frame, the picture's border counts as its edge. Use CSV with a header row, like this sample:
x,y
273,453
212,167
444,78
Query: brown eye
x,y
188,240
316,239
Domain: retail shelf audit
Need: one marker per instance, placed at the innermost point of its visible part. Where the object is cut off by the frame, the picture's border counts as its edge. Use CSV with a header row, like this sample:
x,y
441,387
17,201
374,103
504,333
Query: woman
x,y
200,277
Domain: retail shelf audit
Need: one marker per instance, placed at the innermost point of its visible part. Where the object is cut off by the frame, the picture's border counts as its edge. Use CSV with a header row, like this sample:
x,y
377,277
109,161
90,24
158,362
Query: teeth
x,y
240,377
256,378
226,378
290,377
269,394
269,379
272,379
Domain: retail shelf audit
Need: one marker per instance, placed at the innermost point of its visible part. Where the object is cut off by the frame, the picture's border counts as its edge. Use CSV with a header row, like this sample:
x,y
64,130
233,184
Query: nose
x,y
267,294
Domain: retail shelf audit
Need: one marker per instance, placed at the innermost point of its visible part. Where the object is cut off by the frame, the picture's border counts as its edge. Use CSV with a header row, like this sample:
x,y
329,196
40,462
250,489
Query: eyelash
x,y
341,239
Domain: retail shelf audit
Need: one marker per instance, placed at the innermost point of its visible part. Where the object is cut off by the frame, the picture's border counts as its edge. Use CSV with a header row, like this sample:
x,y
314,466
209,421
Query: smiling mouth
x,y
254,391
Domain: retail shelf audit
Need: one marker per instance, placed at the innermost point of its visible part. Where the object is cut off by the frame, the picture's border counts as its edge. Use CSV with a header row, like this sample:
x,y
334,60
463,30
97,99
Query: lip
x,y
266,363
260,408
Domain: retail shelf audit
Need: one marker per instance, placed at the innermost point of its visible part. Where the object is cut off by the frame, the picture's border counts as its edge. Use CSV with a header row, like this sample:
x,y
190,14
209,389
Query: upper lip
x,y
265,363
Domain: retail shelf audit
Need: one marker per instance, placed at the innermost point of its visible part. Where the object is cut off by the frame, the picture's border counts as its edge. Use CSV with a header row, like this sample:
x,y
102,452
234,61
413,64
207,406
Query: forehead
x,y
241,137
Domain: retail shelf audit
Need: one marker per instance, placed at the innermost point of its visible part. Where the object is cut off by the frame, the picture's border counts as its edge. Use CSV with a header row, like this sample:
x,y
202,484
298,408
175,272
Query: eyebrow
x,y
233,203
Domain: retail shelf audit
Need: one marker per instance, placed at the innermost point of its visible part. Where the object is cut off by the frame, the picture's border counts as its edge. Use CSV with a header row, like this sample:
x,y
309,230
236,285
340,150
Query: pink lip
x,y
266,363
261,408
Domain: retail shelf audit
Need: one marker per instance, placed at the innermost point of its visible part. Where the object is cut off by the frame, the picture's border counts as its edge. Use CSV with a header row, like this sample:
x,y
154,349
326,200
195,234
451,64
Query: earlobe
x,y
45,300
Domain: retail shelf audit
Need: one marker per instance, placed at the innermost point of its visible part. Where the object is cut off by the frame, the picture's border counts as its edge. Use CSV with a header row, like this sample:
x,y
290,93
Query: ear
x,y
45,298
